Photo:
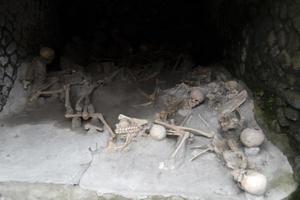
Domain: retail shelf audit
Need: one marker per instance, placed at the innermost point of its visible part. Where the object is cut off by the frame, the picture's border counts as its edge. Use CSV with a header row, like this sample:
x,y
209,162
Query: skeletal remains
x,y
232,154
128,128
251,181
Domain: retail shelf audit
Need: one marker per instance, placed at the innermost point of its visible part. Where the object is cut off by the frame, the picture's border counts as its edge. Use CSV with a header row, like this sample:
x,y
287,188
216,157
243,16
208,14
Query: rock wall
x,y
25,26
268,59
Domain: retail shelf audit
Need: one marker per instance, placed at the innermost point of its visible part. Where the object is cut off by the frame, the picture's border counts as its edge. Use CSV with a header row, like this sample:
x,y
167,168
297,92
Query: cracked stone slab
x,y
44,153
136,174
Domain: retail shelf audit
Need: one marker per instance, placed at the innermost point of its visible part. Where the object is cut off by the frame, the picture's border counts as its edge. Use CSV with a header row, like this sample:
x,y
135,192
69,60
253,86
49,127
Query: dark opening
x,y
111,29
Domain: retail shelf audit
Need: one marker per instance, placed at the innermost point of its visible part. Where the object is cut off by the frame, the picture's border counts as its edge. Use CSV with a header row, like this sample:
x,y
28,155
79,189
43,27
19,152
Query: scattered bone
x,y
218,145
181,142
101,118
139,122
183,133
183,128
234,103
37,92
234,159
84,108
232,120
152,97
68,106
200,153
186,119
171,109
204,121
93,115
182,139
130,128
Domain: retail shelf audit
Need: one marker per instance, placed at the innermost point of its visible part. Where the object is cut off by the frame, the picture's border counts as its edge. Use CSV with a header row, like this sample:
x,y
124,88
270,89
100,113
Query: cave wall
x,y
267,57
25,26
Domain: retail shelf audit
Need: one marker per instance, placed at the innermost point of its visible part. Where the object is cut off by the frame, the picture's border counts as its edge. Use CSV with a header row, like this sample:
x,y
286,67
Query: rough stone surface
x,y
281,118
282,40
9,70
17,99
38,191
294,41
291,114
3,60
297,168
296,60
293,98
11,48
285,59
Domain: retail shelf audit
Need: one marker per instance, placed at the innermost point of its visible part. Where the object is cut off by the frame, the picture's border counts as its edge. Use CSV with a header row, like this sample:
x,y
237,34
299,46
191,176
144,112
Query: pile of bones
x,y
231,142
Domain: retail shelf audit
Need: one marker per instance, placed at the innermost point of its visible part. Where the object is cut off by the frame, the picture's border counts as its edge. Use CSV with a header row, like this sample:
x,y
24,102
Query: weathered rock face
x,y
269,57
24,27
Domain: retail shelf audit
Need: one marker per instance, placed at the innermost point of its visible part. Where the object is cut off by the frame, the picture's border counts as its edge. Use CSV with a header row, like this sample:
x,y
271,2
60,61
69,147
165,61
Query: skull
x,y
231,85
158,132
251,181
232,88
47,53
196,97
123,123
252,137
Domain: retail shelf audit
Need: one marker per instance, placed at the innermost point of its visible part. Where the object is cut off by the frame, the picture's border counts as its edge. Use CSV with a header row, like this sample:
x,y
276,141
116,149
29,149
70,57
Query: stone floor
x,y
47,153
42,158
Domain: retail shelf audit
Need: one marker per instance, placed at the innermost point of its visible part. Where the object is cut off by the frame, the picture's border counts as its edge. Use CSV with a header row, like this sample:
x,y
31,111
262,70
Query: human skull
x,y
196,97
251,181
231,85
232,88
47,53
123,123
252,137
158,132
